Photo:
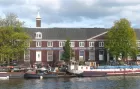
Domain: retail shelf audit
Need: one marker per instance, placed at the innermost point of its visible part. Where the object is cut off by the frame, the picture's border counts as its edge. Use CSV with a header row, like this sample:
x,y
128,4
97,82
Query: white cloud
x,y
73,13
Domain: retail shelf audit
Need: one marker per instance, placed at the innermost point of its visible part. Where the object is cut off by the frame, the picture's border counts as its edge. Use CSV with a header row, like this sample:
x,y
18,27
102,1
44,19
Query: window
x,y
61,44
60,54
50,44
91,44
72,44
81,44
38,35
101,44
91,55
27,55
38,43
50,55
138,44
81,55
101,55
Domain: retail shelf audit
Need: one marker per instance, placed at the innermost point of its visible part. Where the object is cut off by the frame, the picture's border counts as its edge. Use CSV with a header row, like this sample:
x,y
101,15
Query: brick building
x,y
47,43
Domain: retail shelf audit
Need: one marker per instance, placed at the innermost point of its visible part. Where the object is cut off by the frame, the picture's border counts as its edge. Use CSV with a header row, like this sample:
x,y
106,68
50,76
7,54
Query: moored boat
x,y
39,73
93,71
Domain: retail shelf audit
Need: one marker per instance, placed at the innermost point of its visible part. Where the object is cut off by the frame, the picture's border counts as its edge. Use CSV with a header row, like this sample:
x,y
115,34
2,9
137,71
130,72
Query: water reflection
x,y
114,82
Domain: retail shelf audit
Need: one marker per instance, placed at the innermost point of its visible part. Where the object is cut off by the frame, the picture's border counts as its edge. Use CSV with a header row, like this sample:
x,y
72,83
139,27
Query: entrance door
x,y
101,55
38,55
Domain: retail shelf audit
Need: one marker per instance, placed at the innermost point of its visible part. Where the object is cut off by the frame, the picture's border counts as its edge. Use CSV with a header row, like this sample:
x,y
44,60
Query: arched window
x,y
38,35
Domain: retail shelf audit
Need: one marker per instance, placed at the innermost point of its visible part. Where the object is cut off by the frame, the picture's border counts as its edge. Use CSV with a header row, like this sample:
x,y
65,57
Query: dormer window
x,y
38,35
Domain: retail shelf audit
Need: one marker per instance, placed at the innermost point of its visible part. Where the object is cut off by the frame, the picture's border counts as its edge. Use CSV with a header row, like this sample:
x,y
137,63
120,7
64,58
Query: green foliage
x,y
13,39
68,52
121,39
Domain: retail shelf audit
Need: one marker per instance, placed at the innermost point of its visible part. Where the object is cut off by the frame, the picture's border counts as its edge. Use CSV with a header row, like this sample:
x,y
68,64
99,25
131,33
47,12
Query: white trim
x,y
27,55
51,55
72,44
55,40
38,56
38,35
38,43
93,55
91,44
60,55
97,35
61,43
80,44
71,40
101,44
101,55
138,43
81,56
50,45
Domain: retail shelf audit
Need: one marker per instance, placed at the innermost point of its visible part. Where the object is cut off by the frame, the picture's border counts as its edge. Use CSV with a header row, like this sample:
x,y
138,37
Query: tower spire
x,y
38,16
38,20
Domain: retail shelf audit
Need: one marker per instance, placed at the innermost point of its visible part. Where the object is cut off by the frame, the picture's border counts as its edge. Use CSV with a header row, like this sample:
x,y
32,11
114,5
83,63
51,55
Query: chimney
x,y
38,20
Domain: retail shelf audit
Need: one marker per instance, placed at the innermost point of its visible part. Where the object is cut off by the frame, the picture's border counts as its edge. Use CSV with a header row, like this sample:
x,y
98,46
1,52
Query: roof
x,y
71,33
64,33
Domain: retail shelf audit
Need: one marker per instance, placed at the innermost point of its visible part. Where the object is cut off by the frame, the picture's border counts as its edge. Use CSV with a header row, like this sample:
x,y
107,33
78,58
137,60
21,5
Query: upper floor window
x,y
81,44
138,43
72,44
50,44
91,44
61,43
38,43
101,44
38,35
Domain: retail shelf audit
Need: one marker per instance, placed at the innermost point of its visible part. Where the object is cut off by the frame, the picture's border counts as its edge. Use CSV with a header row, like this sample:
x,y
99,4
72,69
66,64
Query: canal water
x,y
112,82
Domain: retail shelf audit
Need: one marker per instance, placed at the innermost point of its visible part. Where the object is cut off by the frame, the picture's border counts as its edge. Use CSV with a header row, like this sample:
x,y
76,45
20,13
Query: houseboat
x,y
93,70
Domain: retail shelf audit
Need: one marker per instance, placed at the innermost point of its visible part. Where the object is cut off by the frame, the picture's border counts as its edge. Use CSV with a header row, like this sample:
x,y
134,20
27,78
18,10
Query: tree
x,y
13,38
68,52
121,39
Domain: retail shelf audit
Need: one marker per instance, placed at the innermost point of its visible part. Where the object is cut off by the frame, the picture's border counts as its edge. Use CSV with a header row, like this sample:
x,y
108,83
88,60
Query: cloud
x,y
73,13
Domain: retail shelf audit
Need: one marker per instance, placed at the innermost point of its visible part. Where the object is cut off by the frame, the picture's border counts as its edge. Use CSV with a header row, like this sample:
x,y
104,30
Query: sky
x,y
73,13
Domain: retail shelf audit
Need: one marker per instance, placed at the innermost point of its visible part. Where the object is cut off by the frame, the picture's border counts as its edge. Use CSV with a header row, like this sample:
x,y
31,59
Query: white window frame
x,y
90,54
138,43
91,44
60,54
38,43
38,35
83,55
49,55
101,44
51,44
61,43
101,55
81,44
72,44
27,55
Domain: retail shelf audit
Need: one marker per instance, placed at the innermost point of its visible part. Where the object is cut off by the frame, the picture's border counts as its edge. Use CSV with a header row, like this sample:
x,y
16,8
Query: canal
x,y
112,82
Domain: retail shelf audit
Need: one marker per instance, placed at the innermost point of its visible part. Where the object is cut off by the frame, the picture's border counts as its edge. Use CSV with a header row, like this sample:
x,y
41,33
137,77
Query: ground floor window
x,y
27,55
81,55
60,54
101,55
91,55
50,55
